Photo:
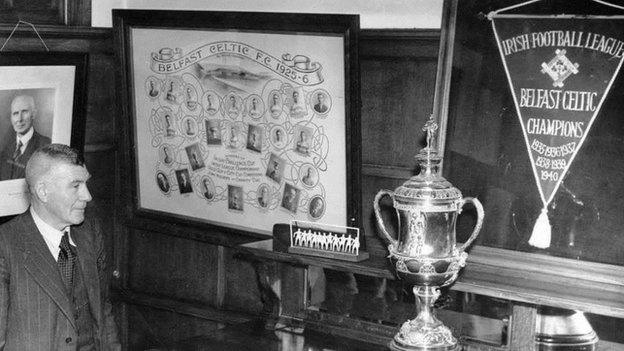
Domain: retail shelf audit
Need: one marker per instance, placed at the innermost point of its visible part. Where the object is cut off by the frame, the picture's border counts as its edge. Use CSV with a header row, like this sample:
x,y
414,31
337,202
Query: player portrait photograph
x,y
213,132
275,168
184,181
195,156
255,137
290,198
235,198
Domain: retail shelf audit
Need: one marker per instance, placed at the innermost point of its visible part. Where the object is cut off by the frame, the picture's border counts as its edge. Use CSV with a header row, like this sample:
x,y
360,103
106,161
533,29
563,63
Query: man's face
x,y
320,98
67,193
316,206
22,114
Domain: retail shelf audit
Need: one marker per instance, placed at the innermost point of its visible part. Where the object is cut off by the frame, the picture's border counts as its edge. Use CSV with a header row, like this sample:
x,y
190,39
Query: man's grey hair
x,y
29,98
47,156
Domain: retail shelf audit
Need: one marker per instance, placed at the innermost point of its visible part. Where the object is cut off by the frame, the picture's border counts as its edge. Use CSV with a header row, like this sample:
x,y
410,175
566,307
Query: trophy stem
x,y
425,332
426,296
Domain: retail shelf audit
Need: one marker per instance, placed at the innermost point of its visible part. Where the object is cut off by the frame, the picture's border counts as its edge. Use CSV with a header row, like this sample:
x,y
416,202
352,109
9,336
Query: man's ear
x,y
41,191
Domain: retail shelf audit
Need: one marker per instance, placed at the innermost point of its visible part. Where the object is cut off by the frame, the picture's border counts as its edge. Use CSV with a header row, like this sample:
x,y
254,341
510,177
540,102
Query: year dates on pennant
x,y
548,163
291,73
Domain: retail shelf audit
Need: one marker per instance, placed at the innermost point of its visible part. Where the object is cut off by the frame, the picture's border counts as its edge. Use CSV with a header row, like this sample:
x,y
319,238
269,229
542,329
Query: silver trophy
x,y
425,253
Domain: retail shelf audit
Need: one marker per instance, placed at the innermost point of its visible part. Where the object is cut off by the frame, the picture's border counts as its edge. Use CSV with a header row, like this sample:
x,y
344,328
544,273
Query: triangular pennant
x,y
560,70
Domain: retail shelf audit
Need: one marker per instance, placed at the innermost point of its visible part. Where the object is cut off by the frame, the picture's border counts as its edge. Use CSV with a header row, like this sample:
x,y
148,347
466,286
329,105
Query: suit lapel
x,y
43,267
88,264
32,145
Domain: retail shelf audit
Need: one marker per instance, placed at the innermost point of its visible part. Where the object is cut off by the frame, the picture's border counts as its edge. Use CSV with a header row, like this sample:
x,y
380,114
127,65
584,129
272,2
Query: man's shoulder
x,y
15,227
8,144
40,139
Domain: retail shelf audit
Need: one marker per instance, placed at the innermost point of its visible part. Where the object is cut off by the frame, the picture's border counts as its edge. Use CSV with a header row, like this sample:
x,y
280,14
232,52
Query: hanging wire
x,y
493,13
602,2
15,28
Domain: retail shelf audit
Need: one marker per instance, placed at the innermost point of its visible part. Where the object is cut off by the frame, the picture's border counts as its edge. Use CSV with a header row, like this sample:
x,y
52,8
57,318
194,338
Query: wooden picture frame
x,y
236,120
55,83
553,277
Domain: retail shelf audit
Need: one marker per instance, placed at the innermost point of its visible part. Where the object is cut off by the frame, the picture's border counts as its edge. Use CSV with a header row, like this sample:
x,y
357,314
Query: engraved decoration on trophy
x,y
425,253
324,240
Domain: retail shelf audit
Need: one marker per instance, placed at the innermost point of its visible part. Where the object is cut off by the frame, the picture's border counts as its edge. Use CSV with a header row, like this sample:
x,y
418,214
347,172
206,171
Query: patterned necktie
x,y
66,261
18,149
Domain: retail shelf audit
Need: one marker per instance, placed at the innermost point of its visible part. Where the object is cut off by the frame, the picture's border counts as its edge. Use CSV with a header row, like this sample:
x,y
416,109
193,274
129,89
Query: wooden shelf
x,y
577,285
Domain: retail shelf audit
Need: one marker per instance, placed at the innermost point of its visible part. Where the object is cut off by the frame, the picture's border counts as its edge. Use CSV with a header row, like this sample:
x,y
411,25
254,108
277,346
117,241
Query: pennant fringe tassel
x,y
540,237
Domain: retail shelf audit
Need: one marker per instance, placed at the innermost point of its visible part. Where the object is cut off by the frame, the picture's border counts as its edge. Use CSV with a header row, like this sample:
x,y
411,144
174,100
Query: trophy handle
x,y
380,221
477,228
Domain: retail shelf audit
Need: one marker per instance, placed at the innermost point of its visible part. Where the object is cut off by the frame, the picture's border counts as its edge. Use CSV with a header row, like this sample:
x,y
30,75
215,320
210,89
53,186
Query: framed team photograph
x,y
243,99
42,101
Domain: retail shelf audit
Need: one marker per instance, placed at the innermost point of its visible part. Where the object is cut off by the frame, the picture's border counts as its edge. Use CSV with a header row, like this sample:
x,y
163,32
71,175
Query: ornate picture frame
x,y
236,120
45,91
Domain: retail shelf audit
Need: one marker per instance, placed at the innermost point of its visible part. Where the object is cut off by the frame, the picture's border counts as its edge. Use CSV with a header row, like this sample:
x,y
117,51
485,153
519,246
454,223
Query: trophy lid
x,y
428,187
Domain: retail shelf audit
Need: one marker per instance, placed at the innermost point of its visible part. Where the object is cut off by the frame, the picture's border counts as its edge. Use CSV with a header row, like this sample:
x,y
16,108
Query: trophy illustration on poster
x,y
425,253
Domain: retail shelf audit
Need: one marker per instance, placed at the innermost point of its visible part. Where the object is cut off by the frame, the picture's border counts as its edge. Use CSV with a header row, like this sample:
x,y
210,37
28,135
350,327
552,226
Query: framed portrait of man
x,y
42,101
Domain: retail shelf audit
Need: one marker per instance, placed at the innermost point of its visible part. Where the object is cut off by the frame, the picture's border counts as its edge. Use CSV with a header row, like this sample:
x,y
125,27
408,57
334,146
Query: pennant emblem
x,y
559,68
558,100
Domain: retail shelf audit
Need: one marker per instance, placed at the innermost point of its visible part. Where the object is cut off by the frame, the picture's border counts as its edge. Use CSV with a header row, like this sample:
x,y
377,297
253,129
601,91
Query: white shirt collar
x,y
25,138
51,236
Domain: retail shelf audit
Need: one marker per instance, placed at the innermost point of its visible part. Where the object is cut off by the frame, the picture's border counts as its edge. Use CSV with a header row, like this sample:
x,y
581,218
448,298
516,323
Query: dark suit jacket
x,y
10,169
35,311
320,107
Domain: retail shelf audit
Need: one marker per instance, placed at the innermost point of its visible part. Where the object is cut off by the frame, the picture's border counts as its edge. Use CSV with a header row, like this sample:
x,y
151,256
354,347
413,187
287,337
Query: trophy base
x,y
425,332
559,329
396,346
393,346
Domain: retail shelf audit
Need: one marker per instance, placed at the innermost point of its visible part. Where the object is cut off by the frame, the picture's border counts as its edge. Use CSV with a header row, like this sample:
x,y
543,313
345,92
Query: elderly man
x,y
320,105
53,291
22,141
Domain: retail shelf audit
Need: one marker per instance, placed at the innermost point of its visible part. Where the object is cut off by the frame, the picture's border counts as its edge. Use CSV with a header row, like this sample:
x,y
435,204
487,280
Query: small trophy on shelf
x,y
424,253
323,240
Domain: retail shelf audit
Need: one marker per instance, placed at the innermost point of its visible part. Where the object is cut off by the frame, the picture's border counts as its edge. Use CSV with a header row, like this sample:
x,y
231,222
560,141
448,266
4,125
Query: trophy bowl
x,y
425,253
426,271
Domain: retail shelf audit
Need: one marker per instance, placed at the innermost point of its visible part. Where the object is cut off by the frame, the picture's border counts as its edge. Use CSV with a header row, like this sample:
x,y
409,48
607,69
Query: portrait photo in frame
x,y
238,78
43,99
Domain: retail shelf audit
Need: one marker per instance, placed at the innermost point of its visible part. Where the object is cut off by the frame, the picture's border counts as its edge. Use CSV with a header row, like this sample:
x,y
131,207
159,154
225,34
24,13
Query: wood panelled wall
x,y
176,284
398,73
